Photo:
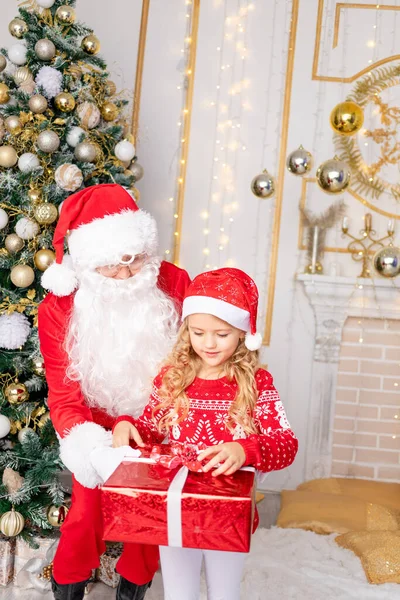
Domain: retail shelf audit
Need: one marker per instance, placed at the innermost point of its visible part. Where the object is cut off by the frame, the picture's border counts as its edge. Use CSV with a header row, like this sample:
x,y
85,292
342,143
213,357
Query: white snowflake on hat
x,y
230,295
101,223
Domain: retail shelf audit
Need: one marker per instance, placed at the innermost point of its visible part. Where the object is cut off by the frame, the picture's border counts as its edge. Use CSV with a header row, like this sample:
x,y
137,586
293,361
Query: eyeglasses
x,y
134,264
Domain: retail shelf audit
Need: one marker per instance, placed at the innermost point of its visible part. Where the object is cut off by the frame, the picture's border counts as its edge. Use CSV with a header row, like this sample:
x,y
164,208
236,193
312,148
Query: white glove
x,y
105,460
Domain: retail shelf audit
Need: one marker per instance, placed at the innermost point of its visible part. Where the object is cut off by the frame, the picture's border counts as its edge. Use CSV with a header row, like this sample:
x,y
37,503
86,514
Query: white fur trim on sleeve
x,y
76,448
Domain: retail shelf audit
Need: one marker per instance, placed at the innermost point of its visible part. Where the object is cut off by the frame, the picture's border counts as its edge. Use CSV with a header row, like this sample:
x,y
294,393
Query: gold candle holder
x,y
361,248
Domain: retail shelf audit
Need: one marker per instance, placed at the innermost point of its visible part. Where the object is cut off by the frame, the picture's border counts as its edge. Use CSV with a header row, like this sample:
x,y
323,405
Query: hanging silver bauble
x,y
86,152
387,261
38,104
263,185
48,141
137,171
45,49
333,176
299,162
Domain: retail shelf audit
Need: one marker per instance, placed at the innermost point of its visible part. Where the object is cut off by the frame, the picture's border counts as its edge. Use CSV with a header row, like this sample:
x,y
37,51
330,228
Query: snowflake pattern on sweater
x,y
274,447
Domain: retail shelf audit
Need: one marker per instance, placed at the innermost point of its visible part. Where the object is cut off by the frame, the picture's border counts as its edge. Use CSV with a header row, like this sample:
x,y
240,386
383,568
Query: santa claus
x,y
108,322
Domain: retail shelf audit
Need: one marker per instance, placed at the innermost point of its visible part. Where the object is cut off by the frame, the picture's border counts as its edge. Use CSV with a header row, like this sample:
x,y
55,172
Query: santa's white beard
x,y
120,331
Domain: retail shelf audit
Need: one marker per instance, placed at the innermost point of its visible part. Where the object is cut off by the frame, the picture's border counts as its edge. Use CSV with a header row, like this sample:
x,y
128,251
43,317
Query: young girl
x,y
213,391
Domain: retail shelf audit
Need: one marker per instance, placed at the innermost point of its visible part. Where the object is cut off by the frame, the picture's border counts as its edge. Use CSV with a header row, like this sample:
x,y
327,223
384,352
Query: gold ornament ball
x,y
56,515
22,75
263,185
34,195
22,276
48,141
136,170
3,63
46,417
38,104
28,86
68,177
66,14
88,114
45,50
13,243
109,111
12,523
136,194
4,93
333,176
16,393
387,262
45,213
86,152
91,44
43,259
111,88
39,369
18,28
8,157
65,102
13,125
347,118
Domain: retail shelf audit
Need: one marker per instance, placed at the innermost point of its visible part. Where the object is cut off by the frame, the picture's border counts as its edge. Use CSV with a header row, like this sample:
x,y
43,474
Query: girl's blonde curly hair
x,y
183,365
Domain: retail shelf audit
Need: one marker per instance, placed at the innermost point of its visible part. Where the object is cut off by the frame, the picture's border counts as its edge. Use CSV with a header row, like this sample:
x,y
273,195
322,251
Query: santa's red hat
x,y
101,224
230,295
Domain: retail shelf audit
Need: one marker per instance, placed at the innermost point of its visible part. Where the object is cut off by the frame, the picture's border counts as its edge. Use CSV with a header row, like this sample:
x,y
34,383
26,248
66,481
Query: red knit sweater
x,y
273,447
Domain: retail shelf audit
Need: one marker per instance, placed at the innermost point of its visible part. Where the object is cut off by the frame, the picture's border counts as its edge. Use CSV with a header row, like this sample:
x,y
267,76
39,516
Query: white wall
x,y
270,105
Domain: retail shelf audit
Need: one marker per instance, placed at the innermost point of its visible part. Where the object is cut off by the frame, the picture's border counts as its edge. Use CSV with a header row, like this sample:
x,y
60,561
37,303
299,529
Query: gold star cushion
x,y
330,513
379,552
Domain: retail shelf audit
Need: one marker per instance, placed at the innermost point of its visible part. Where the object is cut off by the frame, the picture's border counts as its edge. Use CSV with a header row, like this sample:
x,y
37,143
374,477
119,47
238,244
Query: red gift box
x,y
144,502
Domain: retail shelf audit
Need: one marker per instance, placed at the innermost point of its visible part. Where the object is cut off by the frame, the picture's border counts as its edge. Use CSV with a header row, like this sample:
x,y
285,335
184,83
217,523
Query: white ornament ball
x,y
50,80
45,3
69,177
5,426
17,54
28,162
89,114
124,150
3,218
14,331
27,229
74,136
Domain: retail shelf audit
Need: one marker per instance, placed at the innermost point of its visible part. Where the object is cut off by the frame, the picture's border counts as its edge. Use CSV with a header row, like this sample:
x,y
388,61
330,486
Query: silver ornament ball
x,y
263,185
86,152
299,162
3,63
137,171
45,49
387,261
38,104
333,176
48,141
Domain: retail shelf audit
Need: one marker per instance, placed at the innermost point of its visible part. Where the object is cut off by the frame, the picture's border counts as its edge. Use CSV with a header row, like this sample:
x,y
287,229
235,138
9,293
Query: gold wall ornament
x,y
11,523
91,44
45,213
16,393
22,74
8,157
109,111
66,14
65,102
13,125
56,515
18,28
38,104
13,243
362,247
299,162
43,259
333,176
263,185
4,93
22,276
387,261
347,118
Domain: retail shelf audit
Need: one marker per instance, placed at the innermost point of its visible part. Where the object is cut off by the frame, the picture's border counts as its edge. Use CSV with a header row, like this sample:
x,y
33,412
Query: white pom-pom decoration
x,y
45,3
17,54
68,177
124,150
3,218
5,426
50,80
27,229
28,162
14,331
74,137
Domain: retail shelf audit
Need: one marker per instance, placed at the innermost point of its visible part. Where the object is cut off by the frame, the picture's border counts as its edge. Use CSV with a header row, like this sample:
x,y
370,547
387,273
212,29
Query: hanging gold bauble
x,y
48,141
111,88
65,102
44,418
136,194
43,259
11,523
89,114
16,393
109,111
45,213
66,14
347,118
28,86
13,125
56,515
3,63
45,49
387,262
2,129
263,185
34,194
22,74
38,104
4,93
8,157
13,243
333,176
18,28
38,367
91,44
22,276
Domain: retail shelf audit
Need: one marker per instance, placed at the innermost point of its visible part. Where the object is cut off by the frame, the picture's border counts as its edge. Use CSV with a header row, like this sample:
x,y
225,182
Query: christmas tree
x,y
62,128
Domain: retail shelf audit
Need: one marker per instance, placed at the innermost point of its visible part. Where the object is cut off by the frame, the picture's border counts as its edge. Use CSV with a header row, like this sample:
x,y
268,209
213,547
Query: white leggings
x,y
181,569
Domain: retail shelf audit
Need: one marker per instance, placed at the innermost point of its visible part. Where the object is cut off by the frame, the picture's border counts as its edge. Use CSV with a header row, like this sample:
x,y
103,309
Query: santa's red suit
x,y
83,426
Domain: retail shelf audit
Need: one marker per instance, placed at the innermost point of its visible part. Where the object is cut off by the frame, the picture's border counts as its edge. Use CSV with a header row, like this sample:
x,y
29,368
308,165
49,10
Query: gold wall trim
x,y
303,202
183,159
317,48
139,68
281,172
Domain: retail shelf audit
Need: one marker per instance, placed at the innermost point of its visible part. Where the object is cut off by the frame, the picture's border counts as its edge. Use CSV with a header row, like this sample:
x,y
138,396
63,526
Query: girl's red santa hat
x,y
230,295
101,224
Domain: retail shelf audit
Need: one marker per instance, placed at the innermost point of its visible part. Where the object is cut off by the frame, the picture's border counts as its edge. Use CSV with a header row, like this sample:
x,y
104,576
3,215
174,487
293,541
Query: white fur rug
x,y
300,565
